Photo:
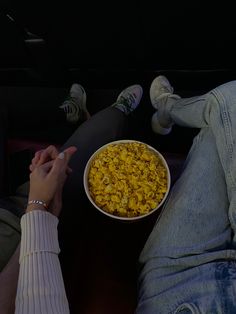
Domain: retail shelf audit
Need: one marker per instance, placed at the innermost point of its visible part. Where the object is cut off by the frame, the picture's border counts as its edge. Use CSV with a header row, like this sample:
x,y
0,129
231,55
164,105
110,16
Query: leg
x,y
195,227
218,112
103,127
215,110
86,227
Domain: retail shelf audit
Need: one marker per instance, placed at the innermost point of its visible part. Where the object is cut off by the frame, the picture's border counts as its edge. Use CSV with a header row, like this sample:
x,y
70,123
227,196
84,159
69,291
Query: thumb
x,y
70,151
61,162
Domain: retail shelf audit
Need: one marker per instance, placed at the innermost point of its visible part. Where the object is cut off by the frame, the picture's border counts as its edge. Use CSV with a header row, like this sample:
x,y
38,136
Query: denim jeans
x,y
188,264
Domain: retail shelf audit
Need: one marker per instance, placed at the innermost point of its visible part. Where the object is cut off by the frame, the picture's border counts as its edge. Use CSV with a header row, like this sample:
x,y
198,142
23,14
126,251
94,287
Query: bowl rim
x,y
87,168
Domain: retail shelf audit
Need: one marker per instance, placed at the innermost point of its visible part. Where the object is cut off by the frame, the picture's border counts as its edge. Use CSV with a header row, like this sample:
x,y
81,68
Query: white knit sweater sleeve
x,y
40,284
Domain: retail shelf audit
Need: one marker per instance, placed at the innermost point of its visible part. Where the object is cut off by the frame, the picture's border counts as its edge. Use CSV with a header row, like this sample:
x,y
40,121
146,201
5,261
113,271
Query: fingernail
x,y
61,156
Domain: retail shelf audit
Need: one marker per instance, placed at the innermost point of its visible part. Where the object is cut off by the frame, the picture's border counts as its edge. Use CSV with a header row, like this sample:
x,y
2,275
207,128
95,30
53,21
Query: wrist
x,y
35,204
31,207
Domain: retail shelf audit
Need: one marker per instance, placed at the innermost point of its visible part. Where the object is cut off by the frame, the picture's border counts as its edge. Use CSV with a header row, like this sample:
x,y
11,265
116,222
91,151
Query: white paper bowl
x,y
86,186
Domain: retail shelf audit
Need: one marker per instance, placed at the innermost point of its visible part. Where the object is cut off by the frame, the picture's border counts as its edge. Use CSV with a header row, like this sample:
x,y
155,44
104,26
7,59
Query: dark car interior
x,y
105,46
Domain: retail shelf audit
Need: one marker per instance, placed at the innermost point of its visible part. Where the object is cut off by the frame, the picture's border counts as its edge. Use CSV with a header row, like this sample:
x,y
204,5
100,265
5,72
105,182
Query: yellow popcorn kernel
x,y
93,171
146,156
116,160
139,196
107,159
124,201
110,207
152,167
119,194
132,203
106,180
122,167
150,195
123,155
122,211
146,189
144,208
91,181
105,169
112,167
153,204
141,165
162,190
107,197
99,199
129,160
99,175
108,188
119,185
115,198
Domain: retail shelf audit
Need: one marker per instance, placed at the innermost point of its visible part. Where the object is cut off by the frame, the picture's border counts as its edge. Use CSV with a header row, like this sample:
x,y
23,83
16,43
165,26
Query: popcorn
x,y
127,179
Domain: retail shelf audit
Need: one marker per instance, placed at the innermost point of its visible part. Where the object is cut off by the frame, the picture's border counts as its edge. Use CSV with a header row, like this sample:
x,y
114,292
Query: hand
x,y
49,172
44,155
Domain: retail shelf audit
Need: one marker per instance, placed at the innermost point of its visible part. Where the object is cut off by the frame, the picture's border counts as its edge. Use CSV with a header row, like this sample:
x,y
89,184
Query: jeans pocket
x,y
187,308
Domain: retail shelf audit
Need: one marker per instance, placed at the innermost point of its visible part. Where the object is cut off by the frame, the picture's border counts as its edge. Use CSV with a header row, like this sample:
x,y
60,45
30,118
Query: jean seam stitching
x,y
227,129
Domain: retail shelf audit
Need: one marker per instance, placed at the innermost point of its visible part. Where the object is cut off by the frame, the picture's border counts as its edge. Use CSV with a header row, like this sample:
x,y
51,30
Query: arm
x,y
40,286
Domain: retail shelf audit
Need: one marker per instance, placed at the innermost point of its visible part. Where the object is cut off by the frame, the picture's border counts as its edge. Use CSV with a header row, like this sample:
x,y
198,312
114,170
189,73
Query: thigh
x,y
192,232
208,288
105,126
194,219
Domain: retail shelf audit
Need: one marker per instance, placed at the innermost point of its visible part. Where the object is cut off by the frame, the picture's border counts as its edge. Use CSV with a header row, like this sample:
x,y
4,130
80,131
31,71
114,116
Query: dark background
x,y
109,43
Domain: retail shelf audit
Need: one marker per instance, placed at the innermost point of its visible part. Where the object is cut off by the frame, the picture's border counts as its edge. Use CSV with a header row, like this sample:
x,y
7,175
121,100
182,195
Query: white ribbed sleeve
x,y
40,285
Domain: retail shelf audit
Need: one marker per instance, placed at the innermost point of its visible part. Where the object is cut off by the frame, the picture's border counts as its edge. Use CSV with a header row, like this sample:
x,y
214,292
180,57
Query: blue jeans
x,y
188,264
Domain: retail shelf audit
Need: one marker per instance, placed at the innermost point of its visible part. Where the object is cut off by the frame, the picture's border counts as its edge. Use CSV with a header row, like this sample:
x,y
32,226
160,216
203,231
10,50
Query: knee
x,y
227,92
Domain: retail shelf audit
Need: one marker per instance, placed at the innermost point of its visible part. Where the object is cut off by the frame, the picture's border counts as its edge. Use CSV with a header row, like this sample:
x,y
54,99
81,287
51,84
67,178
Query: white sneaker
x,y
161,92
160,88
75,104
129,99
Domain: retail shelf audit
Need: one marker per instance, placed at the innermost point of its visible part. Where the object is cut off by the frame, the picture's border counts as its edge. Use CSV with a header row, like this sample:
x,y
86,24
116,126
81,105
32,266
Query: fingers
x,y
62,160
50,153
37,156
69,152
43,156
35,160
45,168
47,180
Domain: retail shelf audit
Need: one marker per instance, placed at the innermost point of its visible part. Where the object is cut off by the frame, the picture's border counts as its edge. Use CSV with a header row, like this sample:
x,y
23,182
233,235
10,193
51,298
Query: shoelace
x,y
127,102
70,106
165,89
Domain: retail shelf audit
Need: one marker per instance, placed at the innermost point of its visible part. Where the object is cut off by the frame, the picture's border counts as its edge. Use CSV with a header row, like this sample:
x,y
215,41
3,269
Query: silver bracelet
x,y
37,202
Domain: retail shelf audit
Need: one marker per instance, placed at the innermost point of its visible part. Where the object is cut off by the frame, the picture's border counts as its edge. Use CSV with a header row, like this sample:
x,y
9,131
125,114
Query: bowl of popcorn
x,y
127,180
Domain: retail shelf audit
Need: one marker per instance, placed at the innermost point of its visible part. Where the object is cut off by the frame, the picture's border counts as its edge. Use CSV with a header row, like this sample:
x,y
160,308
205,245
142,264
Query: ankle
x,y
159,125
